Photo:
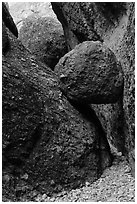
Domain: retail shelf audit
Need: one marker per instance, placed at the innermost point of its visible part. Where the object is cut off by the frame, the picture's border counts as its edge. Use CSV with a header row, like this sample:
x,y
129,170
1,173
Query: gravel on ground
x,y
115,185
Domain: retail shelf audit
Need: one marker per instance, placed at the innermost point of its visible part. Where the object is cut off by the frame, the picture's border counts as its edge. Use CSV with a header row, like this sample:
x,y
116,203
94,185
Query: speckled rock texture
x,y
116,184
22,10
47,143
90,73
111,118
39,30
127,55
44,37
114,24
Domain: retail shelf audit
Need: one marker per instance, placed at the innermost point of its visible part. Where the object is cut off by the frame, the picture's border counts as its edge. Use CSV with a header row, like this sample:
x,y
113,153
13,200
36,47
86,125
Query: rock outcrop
x,y
47,143
127,55
114,24
90,73
111,117
44,37
8,20
39,30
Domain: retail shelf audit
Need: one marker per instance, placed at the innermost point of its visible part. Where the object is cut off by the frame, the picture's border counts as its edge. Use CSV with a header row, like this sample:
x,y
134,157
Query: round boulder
x,y
48,144
90,73
44,37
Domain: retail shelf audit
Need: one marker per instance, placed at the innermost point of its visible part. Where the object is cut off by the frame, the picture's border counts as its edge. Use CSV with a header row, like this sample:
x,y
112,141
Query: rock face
x,y
8,20
90,73
127,54
47,143
113,24
111,117
87,20
44,37
40,31
5,39
74,22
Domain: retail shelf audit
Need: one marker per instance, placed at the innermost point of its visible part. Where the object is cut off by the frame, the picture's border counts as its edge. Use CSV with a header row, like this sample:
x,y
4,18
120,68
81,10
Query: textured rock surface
x,y
90,73
8,20
44,37
116,184
112,23
5,39
46,142
127,56
85,21
73,17
111,118
39,30
21,10
53,137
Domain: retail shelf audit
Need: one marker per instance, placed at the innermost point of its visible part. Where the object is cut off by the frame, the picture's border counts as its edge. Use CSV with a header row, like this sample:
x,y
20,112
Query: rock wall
x,y
113,24
48,143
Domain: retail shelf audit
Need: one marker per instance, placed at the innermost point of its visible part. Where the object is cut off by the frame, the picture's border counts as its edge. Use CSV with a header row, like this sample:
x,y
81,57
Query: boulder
x,y
39,30
47,143
84,21
73,17
44,37
22,10
90,73
114,24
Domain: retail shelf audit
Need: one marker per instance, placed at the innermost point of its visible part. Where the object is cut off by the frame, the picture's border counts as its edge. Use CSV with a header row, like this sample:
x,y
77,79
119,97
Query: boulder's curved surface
x,y
114,24
47,143
39,30
22,10
90,73
44,37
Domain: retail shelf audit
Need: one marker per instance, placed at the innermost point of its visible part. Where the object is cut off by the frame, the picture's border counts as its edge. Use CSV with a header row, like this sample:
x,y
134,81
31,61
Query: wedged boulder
x,y
114,24
90,73
47,143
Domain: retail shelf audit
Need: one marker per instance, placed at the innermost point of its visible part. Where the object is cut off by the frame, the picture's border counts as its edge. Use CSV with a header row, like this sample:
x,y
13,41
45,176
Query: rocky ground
x,y
62,134
115,185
